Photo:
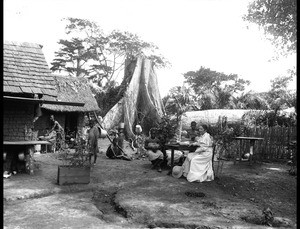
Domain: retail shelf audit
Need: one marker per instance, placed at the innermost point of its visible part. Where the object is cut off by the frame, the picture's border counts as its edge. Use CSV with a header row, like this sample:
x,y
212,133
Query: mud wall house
x,y
27,83
71,118
26,78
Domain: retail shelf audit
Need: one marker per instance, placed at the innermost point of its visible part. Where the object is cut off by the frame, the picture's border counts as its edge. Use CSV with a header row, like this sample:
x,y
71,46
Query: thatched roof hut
x,y
73,90
26,72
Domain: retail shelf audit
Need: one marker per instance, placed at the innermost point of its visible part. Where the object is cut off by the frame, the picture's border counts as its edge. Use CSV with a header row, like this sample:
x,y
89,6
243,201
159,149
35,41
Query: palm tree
x,y
251,100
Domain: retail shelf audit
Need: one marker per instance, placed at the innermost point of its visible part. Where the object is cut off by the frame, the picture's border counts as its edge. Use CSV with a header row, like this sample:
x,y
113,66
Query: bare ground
x,y
128,194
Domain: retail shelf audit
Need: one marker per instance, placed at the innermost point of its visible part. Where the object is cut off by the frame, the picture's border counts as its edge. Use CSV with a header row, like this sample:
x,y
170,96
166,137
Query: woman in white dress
x,y
198,165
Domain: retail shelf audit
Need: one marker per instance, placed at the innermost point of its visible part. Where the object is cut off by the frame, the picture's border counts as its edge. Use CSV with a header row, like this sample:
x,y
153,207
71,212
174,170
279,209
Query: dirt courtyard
x,y
128,194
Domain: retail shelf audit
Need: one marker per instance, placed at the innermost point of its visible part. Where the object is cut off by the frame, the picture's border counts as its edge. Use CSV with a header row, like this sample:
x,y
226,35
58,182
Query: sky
x,y
189,33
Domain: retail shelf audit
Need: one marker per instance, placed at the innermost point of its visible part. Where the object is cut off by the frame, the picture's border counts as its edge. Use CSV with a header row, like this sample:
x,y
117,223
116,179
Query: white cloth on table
x,y
177,155
198,165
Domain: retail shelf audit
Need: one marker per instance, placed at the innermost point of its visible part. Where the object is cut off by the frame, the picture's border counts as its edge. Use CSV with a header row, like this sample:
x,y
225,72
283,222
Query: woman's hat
x,y
177,171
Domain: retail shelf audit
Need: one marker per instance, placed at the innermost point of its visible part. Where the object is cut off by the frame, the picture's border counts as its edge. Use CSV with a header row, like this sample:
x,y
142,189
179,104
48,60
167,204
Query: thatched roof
x,y
211,117
71,89
25,70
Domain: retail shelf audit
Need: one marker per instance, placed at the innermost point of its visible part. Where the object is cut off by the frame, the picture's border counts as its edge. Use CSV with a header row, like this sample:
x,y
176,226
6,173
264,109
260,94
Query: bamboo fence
x,y
274,144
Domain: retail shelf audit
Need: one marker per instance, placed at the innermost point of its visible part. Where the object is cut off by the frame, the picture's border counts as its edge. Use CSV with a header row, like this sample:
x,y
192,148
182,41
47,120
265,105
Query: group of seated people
x,y
194,165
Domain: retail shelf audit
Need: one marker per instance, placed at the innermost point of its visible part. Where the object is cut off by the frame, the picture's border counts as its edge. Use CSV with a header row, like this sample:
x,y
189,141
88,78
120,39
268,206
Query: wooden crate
x,y
73,175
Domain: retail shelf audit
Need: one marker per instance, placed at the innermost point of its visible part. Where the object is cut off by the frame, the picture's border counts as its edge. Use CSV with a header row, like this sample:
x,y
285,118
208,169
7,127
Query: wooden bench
x,y
29,151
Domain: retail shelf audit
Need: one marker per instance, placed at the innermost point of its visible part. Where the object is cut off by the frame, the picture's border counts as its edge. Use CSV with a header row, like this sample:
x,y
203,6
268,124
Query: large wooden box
x,y
73,175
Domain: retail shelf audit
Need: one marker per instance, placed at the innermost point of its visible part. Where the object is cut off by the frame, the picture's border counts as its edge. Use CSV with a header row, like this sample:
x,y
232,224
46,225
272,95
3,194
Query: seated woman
x,y
198,165
114,151
154,152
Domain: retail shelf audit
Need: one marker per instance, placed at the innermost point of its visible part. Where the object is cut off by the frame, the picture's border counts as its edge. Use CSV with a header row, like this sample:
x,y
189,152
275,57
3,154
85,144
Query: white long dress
x,y
198,165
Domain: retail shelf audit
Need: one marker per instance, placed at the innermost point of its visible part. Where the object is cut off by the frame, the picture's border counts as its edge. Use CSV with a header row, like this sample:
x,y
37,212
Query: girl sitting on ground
x,y
154,152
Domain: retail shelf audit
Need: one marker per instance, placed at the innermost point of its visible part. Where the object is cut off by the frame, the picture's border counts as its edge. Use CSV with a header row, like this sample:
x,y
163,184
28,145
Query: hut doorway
x,y
71,123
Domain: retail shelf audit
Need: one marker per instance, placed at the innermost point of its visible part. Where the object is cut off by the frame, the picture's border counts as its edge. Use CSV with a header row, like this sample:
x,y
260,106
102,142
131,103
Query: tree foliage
x,y
89,52
278,19
100,57
179,100
252,100
279,97
214,89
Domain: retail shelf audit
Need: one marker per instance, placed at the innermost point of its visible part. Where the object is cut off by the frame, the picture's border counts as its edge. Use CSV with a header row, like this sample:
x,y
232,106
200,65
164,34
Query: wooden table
x,y
177,146
29,151
251,151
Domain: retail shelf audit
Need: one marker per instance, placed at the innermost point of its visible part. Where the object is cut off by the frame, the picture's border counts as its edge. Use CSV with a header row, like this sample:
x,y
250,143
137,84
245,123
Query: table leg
x,y
172,161
240,152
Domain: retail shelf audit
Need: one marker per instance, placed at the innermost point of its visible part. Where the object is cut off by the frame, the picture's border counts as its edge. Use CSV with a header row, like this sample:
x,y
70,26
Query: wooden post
x,y
29,159
251,151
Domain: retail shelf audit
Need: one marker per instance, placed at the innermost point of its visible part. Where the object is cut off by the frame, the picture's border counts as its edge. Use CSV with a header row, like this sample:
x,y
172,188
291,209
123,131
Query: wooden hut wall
x,y
16,115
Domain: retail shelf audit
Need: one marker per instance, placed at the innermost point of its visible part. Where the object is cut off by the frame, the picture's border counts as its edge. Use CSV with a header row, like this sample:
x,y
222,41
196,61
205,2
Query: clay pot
x,y
37,148
121,125
246,155
21,156
138,129
103,133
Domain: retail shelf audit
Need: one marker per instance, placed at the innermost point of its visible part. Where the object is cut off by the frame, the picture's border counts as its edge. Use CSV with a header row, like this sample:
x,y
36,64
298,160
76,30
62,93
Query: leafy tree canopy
x,y
278,19
279,96
91,53
252,100
179,100
214,89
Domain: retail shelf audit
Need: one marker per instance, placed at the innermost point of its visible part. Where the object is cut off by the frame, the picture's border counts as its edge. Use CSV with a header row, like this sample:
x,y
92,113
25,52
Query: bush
x,y
77,157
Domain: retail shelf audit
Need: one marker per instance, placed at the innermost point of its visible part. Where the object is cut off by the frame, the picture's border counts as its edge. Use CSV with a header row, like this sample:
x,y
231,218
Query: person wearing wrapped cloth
x,y
60,134
154,152
198,165
116,149
93,135
139,141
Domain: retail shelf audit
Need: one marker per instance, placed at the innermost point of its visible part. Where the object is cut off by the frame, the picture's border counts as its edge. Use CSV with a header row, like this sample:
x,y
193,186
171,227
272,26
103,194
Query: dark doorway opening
x,y
71,123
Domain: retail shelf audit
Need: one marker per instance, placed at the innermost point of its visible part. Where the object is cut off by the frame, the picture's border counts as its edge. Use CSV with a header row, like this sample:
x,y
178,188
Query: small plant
x,y
223,135
76,157
166,129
